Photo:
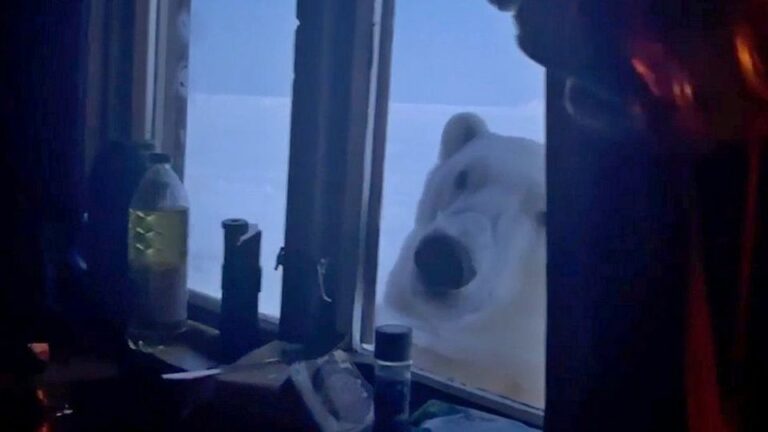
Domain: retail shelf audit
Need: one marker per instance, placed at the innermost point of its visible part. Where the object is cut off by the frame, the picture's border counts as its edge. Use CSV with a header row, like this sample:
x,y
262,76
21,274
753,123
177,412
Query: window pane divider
x,y
330,121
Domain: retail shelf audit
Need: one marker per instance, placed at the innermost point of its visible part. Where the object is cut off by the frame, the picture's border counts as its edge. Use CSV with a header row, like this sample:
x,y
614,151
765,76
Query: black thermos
x,y
240,286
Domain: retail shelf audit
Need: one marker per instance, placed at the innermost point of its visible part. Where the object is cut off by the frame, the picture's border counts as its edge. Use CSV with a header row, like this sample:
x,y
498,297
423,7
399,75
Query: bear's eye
x,y
461,181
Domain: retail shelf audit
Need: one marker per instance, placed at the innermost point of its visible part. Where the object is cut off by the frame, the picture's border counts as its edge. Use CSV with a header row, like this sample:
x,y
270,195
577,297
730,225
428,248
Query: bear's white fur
x,y
486,191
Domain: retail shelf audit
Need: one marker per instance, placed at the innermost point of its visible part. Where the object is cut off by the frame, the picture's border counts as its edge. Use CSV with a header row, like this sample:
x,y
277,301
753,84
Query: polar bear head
x,y
478,242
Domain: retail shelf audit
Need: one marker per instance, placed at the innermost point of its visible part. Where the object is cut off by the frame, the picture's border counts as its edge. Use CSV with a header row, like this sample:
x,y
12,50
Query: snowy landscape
x,y
237,166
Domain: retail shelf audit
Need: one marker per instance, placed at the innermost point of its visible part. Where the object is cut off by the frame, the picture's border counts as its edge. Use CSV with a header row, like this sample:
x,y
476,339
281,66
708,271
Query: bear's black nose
x,y
443,262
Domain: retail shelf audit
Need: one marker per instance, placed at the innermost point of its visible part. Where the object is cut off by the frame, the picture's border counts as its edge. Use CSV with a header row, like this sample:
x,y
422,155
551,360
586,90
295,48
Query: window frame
x,y
339,116
329,121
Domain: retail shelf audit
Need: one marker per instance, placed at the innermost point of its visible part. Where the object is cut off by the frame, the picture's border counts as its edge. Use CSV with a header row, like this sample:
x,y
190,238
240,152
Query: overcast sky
x,y
462,52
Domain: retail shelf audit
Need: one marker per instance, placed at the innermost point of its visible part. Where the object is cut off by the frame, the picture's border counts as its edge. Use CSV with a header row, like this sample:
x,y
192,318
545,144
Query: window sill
x,y
205,309
426,386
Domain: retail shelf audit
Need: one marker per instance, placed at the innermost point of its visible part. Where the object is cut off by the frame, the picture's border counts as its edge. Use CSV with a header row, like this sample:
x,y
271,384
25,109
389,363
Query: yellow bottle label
x,y
157,254
158,238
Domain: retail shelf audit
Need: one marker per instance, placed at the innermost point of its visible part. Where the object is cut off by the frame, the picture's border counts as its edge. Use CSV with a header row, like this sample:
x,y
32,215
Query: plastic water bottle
x,y
157,255
392,388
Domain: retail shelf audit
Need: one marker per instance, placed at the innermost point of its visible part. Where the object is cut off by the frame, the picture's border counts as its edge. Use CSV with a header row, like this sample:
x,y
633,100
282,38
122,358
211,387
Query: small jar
x,y
392,389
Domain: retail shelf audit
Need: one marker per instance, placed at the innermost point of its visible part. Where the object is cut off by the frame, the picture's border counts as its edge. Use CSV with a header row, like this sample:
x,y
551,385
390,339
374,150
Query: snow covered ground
x,y
237,161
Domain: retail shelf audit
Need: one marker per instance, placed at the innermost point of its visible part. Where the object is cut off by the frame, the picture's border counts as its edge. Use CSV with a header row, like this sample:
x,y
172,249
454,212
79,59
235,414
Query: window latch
x,y
280,259
322,267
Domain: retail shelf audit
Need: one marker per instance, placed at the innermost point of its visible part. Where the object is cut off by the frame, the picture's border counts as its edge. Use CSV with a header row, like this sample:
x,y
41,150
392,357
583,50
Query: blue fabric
x,y
436,416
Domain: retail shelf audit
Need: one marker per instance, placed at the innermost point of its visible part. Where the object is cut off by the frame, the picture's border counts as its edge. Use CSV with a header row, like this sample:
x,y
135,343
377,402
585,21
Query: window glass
x,y
462,247
236,162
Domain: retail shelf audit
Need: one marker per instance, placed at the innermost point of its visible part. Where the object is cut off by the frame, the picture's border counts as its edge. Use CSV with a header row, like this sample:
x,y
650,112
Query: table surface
x,y
98,393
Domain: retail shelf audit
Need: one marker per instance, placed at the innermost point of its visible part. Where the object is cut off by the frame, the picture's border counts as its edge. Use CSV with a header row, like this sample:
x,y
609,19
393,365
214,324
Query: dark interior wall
x,y
656,276
617,272
41,162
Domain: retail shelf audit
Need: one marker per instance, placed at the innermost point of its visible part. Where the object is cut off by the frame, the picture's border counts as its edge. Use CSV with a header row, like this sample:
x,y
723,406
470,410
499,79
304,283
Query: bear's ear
x,y
460,129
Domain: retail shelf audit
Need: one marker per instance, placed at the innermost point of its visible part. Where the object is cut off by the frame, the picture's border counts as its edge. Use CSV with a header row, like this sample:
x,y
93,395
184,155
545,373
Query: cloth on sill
x,y
436,416
334,393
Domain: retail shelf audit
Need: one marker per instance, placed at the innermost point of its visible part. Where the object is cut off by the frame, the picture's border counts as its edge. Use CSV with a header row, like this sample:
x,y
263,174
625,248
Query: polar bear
x,y
470,277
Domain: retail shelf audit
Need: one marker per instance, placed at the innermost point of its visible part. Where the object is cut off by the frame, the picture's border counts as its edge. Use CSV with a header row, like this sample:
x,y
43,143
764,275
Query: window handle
x,y
280,259
322,267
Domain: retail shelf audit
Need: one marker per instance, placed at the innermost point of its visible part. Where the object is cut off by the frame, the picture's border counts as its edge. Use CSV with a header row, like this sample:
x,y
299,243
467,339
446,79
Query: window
x,y
469,274
297,145
239,110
